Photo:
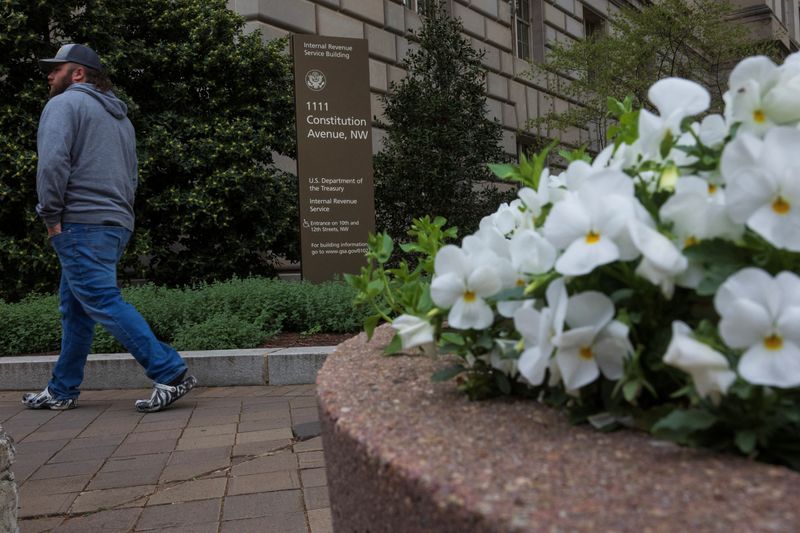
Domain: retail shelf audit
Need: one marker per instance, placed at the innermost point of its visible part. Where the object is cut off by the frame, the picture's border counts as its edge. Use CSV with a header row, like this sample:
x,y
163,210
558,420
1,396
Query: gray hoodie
x,y
87,170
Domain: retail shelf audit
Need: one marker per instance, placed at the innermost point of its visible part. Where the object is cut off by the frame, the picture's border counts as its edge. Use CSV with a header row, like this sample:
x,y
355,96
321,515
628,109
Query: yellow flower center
x,y
773,342
586,352
592,237
781,206
759,117
521,282
712,188
469,297
691,240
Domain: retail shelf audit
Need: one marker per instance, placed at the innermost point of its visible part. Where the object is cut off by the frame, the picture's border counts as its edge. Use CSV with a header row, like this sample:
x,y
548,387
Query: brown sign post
x,y
334,154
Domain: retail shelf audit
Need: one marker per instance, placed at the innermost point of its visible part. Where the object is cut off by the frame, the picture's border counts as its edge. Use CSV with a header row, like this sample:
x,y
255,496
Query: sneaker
x,y
163,395
45,400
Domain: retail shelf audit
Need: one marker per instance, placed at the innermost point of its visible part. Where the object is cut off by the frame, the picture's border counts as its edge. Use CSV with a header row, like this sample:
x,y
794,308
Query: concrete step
x,y
213,368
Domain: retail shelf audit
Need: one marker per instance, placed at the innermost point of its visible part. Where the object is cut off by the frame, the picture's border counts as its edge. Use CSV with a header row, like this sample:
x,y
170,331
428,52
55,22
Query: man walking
x,y
86,180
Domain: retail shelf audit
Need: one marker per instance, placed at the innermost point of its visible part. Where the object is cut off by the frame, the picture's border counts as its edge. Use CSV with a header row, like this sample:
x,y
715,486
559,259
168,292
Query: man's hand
x,y
55,230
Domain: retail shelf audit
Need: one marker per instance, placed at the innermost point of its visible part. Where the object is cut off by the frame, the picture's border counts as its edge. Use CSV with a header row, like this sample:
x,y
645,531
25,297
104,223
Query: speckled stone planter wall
x,y
8,488
405,455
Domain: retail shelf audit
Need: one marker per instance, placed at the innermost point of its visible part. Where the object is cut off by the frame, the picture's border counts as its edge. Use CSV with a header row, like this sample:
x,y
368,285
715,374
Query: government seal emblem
x,y
315,80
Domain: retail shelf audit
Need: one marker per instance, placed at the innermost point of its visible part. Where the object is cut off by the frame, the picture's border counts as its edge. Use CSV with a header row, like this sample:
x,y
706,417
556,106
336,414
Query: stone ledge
x,y
216,368
406,454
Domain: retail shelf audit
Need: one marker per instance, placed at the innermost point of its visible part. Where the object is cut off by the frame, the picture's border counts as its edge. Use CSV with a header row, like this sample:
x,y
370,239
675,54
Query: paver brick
x,y
284,460
107,498
160,517
266,423
311,445
136,462
264,435
213,441
68,469
285,523
311,459
110,521
144,448
266,482
200,489
260,447
313,477
263,504
83,454
207,431
316,497
45,504
39,525
153,436
58,485
129,478
320,521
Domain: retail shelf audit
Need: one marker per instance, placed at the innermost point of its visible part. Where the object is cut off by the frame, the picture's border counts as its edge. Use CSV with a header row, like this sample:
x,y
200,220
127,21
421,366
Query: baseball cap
x,y
73,53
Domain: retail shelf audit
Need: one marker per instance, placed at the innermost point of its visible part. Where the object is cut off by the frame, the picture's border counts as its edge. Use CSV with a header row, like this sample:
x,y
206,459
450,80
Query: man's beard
x,y
61,85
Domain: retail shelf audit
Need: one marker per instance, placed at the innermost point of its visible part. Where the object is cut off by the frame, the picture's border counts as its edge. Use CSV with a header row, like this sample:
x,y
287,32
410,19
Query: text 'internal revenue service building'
x,y
334,154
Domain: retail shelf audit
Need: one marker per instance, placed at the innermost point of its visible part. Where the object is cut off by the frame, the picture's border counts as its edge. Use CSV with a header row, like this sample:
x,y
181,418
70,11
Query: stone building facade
x,y
512,33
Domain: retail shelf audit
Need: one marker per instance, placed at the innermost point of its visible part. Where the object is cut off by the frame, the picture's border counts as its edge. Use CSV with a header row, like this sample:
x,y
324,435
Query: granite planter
x,y
405,454
8,487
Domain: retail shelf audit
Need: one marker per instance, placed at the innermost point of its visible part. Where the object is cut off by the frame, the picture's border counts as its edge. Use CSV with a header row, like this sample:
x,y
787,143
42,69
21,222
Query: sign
x,y
334,154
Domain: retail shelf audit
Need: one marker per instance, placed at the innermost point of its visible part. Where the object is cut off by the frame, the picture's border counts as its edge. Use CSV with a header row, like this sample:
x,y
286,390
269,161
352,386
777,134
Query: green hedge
x,y
240,313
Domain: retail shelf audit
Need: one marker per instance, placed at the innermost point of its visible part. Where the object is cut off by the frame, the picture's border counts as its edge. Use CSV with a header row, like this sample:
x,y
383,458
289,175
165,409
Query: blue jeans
x,y
89,294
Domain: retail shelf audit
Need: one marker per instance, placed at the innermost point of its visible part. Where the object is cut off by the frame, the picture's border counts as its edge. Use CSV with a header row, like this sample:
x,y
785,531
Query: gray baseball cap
x,y
73,53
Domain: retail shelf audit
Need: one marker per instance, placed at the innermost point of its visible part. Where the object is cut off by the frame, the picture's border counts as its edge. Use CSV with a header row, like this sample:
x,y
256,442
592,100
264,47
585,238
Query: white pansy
x,y
675,99
531,254
594,343
461,283
413,331
761,315
590,224
709,369
697,212
762,189
712,130
538,330
662,262
749,83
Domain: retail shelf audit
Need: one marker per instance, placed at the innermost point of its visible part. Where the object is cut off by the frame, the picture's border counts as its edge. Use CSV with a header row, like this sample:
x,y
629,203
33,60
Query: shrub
x,y
239,313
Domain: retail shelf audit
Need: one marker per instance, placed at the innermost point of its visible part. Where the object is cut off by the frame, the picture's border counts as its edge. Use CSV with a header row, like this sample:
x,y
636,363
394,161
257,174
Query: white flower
x,y
749,83
594,343
709,369
713,130
461,283
499,358
675,99
697,212
763,189
761,315
531,254
538,329
413,331
662,262
590,224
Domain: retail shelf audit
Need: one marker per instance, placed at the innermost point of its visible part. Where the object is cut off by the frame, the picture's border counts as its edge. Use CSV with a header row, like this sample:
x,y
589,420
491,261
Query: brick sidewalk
x,y
219,460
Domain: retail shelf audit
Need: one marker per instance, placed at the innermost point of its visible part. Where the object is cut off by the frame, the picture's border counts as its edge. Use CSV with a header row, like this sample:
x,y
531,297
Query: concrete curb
x,y
215,368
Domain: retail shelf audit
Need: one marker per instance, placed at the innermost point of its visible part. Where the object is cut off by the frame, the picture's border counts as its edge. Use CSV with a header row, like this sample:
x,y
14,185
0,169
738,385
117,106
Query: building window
x,y
415,5
521,10
530,144
593,23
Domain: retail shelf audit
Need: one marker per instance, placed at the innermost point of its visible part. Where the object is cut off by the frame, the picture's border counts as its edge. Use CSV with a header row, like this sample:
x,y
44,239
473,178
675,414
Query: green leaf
x,y
395,346
503,171
447,373
370,323
679,424
631,390
502,382
453,338
746,441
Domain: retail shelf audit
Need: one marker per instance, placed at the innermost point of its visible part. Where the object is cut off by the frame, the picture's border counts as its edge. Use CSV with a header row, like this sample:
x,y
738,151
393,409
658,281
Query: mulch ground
x,y
290,340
